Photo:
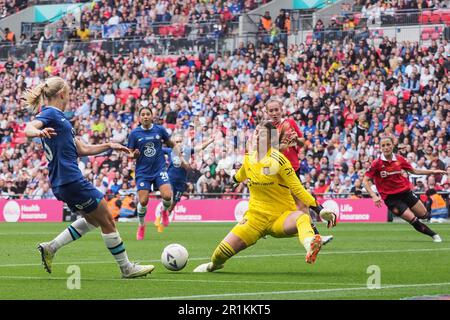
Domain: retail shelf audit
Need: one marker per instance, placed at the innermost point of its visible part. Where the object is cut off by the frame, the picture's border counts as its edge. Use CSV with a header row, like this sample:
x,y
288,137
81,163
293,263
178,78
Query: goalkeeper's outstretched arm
x,y
298,190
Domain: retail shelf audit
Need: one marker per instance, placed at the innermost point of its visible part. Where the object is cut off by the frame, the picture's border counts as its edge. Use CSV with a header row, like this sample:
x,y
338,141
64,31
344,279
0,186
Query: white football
x,y
174,257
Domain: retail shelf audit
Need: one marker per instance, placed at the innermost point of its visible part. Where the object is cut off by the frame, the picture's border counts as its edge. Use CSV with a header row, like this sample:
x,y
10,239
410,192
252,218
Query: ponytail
x,y
34,97
48,89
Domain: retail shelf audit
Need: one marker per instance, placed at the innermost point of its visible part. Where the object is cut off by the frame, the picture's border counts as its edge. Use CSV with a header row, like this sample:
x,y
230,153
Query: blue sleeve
x,y
167,150
131,141
46,117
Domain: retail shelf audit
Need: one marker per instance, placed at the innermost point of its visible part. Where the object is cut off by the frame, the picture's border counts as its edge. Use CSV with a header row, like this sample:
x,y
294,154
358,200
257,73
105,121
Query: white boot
x,y
437,238
134,270
207,267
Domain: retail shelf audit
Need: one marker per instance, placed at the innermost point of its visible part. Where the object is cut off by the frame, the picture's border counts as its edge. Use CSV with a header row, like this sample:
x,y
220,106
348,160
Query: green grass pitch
x,y
410,265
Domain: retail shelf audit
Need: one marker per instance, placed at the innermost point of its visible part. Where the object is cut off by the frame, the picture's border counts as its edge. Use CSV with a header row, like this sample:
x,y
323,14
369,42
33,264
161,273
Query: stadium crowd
x,y
148,19
10,7
391,6
368,13
342,96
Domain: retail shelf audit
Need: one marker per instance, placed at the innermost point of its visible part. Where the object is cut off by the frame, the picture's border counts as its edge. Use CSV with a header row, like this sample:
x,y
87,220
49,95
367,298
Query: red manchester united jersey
x,y
388,177
292,152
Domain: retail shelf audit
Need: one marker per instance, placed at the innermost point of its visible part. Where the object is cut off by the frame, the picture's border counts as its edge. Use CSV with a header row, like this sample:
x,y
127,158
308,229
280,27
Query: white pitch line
x,y
239,257
184,280
224,295
344,252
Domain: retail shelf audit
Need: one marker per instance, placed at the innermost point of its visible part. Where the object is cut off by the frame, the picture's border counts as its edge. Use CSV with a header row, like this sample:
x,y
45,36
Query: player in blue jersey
x,y
62,150
145,144
178,164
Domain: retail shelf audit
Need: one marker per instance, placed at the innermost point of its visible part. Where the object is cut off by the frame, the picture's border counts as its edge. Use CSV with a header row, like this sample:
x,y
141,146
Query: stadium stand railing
x,y
357,19
172,39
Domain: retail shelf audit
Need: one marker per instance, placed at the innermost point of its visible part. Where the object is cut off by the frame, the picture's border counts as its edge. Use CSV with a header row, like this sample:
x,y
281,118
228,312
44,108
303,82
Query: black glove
x,y
317,208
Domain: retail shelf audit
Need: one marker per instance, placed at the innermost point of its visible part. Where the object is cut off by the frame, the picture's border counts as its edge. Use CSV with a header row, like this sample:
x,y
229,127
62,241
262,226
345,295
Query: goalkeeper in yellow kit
x,y
272,210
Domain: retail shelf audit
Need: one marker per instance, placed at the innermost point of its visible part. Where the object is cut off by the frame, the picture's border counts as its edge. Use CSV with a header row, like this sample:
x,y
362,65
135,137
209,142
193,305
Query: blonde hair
x,y
45,90
276,100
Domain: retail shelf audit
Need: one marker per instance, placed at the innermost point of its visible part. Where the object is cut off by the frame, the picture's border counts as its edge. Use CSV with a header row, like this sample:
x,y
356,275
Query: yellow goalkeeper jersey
x,y
272,182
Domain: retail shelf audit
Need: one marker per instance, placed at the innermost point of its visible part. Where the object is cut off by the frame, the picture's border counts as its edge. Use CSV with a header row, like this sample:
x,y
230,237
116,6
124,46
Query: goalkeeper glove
x,y
325,214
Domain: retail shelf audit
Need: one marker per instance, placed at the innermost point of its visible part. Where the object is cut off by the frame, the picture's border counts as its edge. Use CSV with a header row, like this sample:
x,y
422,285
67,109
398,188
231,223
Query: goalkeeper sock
x,y
73,232
419,226
115,245
141,210
313,226
222,253
304,228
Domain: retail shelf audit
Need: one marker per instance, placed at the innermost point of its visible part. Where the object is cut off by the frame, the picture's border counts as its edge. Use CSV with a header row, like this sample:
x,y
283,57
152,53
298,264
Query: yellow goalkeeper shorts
x,y
255,225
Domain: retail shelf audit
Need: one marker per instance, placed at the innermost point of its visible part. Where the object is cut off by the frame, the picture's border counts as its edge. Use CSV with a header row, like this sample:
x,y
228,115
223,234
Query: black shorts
x,y
399,202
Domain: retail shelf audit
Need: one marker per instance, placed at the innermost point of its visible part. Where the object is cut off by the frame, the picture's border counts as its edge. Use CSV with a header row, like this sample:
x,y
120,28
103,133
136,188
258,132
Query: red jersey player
x,y
395,189
290,142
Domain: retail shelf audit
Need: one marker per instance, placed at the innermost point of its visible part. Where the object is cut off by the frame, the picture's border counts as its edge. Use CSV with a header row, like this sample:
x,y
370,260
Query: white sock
x,y
115,245
167,204
73,232
141,213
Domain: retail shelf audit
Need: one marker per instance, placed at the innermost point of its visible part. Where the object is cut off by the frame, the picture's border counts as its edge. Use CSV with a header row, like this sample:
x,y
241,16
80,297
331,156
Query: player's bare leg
x,y
166,195
421,212
74,232
142,211
169,211
413,219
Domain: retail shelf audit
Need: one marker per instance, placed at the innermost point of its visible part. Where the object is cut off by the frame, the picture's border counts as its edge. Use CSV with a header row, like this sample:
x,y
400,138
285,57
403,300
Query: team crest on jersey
x,y
141,184
176,162
266,170
158,137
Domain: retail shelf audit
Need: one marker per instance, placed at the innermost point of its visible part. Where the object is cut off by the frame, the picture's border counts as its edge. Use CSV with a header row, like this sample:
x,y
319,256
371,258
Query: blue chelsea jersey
x,y
150,162
176,171
60,150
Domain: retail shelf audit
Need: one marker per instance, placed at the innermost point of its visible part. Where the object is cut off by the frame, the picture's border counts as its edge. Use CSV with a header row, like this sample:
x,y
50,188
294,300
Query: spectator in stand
x,y
9,37
47,192
319,31
265,23
229,92
83,33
